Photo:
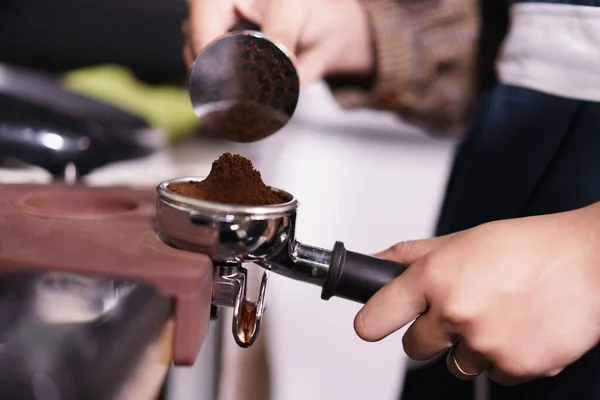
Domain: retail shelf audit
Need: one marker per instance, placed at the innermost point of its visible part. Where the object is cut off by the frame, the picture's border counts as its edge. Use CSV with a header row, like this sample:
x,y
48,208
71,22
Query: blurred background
x,y
114,68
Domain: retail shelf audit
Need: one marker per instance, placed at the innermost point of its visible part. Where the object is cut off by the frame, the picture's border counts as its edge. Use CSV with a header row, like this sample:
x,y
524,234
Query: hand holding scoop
x,y
243,86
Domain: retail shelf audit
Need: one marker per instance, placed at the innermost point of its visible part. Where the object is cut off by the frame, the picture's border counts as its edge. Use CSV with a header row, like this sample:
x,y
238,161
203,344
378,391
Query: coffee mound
x,y
232,180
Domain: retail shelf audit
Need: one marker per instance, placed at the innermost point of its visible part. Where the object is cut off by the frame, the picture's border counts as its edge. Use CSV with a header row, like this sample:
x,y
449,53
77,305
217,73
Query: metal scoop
x,y
243,86
264,235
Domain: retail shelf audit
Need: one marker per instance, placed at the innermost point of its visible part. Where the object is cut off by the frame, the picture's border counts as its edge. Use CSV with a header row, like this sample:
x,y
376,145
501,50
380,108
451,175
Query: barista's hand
x,y
521,296
326,36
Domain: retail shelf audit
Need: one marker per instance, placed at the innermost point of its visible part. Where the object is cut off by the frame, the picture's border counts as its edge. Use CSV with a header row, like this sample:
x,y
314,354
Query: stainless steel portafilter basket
x,y
264,235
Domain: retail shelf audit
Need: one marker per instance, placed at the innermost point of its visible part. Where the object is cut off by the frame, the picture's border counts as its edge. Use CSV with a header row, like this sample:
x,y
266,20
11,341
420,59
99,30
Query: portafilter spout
x,y
264,235
244,86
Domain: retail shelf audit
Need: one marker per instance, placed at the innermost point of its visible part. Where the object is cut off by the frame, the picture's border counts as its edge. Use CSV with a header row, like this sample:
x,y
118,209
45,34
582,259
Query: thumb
x,y
207,21
410,251
283,23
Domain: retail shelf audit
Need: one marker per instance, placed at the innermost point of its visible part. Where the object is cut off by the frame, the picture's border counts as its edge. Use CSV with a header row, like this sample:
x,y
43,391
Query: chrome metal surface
x,y
233,234
264,235
300,262
69,298
226,285
229,290
224,232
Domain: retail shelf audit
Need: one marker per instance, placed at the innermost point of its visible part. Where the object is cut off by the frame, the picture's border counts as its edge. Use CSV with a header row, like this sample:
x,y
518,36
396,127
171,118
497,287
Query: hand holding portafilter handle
x,y
357,277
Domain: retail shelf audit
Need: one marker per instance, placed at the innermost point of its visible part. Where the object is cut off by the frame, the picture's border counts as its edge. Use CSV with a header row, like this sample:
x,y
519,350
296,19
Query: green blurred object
x,y
165,107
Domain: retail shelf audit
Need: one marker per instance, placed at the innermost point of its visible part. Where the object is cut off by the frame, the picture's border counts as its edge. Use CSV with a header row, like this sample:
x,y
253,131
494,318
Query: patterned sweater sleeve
x,y
425,62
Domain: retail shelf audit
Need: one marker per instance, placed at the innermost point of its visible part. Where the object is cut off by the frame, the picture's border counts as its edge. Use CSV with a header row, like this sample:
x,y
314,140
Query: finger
x,y
464,363
187,47
208,20
283,22
185,28
310,68
425,338
391,308
188,56
410,251
252,10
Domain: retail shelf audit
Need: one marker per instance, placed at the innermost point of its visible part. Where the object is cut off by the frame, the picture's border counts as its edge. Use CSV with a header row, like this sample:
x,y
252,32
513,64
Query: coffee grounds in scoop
x,y
232,180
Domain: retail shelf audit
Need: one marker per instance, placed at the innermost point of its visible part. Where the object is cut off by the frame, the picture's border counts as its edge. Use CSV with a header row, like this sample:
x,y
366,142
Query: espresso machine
x,y
86,286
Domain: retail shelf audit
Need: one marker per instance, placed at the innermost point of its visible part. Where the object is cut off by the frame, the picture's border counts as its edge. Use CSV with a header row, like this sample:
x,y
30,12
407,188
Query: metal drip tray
x,y
71,337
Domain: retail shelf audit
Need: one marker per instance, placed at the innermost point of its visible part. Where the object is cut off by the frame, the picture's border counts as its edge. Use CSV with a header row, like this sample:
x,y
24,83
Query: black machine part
x,y
43,124
357,277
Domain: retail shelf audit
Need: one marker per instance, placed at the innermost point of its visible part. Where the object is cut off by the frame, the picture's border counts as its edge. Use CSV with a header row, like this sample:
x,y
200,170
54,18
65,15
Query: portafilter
x,y
264,235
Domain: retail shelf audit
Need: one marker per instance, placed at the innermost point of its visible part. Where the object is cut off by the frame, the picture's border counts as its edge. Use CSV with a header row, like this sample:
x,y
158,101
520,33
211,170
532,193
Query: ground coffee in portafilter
x,y
232,180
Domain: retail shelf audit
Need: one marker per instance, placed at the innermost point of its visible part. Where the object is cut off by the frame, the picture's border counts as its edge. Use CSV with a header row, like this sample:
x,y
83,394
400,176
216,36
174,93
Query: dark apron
x,y
527,153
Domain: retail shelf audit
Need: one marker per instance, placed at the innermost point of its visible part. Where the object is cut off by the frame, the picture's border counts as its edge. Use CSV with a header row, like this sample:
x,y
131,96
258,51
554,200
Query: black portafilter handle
x,y
356,277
